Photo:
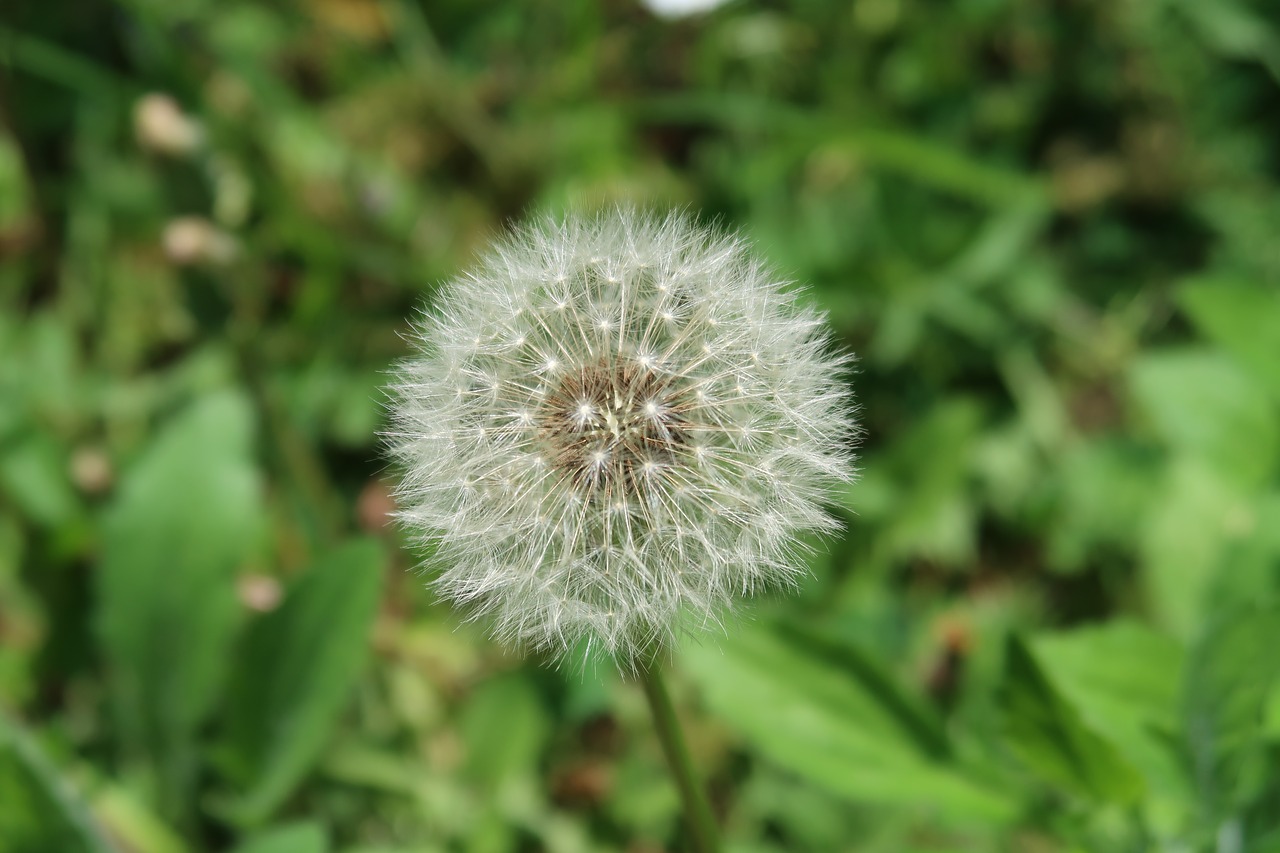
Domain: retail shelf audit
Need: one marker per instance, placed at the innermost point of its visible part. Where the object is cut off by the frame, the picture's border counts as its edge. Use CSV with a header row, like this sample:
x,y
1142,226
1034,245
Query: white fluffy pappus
x,y
617,425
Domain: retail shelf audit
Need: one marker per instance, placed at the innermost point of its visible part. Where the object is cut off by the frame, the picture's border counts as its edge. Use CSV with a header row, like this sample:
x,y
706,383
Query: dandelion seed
x,y
616,493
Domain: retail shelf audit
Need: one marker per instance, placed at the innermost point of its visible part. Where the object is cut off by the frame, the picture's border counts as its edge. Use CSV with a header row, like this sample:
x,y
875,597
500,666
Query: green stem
x,y
702,825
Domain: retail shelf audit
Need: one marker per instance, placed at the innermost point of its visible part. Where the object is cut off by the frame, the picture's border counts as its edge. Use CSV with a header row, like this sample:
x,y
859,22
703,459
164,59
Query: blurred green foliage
x,y
1047,227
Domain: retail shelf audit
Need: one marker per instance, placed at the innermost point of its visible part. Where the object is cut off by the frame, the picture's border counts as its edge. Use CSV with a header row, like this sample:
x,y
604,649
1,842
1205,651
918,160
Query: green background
x,y
1047,227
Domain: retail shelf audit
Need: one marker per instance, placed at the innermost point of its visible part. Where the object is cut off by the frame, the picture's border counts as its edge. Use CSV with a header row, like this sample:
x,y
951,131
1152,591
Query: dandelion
x,y
194,240
616,427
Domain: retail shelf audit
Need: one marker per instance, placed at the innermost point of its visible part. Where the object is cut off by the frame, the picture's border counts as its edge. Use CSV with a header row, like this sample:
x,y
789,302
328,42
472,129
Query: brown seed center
x,y
614,429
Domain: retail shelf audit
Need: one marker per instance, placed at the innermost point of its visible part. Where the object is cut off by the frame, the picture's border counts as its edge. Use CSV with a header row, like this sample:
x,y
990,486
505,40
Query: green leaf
x,y
1251,554
187,517
292,838
1124,679
1184,543
34,475
924,502
130,823
1233,29
947,168
1243,319
296,669
505,729
914,156
1049,736
15,191
1230,675
1106,487
1202,404
37,812
839,722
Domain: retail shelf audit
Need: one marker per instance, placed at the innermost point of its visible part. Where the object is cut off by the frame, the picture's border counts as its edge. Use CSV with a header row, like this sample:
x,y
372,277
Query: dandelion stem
x,y
702,825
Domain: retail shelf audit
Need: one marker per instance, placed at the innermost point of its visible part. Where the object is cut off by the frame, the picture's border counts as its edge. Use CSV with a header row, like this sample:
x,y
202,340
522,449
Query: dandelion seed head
x,y
617,426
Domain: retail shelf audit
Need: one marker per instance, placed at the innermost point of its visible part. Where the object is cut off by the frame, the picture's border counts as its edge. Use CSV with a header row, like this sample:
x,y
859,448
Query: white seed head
x,y
615,427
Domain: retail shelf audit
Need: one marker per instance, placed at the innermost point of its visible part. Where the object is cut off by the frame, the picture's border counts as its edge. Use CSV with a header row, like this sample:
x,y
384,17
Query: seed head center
x,y
612,427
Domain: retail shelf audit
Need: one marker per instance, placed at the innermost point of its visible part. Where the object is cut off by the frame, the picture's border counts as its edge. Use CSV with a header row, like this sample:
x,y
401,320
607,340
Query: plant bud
x,y
160,125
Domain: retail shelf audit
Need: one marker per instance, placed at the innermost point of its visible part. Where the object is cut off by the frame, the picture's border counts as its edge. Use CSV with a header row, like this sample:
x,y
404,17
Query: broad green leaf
x,y
292,838
1230,675
1184,541
1243,319
37,812
1202,404
188,515
838,722
1047,733
1123,679
294,674
505,729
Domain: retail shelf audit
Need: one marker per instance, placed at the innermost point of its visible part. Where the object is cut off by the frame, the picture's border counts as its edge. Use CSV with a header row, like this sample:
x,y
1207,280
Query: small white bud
x,y
192,240
160,125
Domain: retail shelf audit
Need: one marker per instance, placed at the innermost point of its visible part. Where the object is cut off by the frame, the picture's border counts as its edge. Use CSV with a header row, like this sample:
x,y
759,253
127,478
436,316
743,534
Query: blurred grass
x,y
1047,228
